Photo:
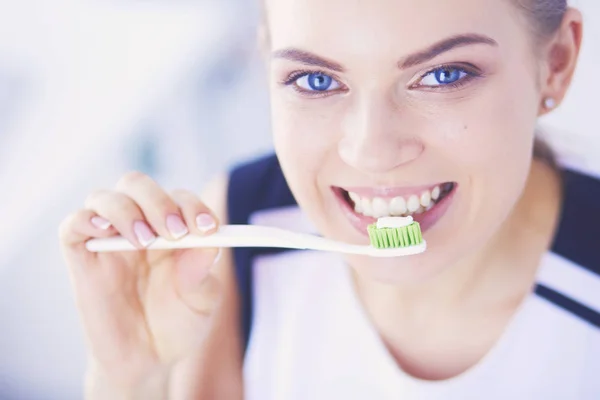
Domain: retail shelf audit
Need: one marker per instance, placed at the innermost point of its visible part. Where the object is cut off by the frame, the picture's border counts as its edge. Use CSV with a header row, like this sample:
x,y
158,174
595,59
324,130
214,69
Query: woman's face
x,y
396,107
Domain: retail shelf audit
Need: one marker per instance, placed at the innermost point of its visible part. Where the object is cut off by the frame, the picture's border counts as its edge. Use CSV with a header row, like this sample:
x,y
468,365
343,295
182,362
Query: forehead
x,y
369,26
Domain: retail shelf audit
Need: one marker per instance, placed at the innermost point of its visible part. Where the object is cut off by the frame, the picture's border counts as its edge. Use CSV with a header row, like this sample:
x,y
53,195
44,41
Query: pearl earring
x,y
549,103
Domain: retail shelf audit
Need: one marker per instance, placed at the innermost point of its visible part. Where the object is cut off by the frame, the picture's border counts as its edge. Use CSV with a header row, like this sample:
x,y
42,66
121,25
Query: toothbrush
x,y
257,236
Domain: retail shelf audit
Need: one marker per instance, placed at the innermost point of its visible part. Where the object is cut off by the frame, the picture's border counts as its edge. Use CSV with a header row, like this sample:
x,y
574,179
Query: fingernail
x,y
101,223
205,222
176,226
143,233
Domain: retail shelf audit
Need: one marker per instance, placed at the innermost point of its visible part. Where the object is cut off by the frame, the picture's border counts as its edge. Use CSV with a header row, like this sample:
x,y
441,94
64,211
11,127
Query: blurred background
x,y
91,89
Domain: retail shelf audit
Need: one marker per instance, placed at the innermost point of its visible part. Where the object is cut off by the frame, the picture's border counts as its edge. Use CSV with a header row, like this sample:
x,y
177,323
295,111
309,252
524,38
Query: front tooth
x,y
358,207
380,208
426,199
435,193
366,207
354,197
398,206
413,204
421,210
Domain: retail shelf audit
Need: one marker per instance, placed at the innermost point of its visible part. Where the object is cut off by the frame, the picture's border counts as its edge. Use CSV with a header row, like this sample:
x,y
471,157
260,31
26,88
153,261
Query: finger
x,y
105,297
194,284
83,225
181,296
205,298
124,214
160,210
198,217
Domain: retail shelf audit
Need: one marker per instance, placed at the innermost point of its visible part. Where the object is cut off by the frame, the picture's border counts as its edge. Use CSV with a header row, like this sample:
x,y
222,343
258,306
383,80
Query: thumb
x,y
196,287
185,296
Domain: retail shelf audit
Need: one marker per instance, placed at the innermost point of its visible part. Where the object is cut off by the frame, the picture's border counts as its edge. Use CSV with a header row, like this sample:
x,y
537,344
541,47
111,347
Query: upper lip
x,y
390,191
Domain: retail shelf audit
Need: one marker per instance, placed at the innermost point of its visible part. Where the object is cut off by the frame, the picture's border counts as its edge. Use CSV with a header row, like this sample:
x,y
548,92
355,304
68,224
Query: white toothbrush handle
x,y
227,236
255,236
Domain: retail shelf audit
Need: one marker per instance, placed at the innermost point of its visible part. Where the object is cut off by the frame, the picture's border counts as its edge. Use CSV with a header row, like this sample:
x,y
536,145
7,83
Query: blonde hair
x,y
545,16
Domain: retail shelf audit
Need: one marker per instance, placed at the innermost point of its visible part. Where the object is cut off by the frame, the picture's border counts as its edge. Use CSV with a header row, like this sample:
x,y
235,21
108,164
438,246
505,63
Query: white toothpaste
x,y
394,222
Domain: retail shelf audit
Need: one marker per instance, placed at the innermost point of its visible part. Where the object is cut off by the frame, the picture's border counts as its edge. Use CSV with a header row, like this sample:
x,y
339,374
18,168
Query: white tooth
x,y
366,207
358,206
421,210
380,208
413,204
426,199
429,207
435,193
354,197
398,206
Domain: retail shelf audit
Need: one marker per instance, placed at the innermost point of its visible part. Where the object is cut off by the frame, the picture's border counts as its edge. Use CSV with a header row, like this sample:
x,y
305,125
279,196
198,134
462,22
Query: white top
x,y
311,339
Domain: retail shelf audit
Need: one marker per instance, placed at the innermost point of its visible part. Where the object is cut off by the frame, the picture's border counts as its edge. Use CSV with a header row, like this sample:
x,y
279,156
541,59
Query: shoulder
x,y
218,372
214,195
248,182
578,235
570,275
256,185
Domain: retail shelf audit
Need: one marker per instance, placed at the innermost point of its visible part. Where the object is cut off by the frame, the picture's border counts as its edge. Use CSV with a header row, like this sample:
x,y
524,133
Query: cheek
x,y
492,133
304,136
303,131
488,141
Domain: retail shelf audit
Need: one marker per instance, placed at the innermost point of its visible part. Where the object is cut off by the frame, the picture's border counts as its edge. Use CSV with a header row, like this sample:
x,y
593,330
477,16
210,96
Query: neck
x,y
503,270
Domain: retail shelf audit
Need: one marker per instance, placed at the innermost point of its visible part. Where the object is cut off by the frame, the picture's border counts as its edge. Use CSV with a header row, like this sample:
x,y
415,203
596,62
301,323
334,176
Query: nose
x,y
375,139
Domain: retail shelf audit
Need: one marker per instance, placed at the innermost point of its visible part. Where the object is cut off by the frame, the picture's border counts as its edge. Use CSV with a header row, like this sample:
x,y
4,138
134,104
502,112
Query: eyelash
x,y
472,73
294,76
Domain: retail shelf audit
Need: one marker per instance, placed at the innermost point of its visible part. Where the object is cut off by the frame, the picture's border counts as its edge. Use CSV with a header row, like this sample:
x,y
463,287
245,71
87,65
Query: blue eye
x,y
443,76
317,82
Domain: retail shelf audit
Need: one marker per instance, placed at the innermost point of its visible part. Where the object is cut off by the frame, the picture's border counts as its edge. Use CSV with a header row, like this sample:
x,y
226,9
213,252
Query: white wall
x,y
96,80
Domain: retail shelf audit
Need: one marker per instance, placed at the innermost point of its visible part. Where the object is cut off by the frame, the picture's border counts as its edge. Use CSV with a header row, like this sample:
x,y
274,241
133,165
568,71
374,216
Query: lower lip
x,y
427,219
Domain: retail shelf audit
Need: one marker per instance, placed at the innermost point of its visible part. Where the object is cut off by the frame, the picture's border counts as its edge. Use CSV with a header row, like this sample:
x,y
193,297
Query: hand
x,y
146,311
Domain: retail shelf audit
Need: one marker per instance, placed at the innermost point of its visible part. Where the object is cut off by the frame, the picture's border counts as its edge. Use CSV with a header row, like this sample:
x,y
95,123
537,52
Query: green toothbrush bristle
x,y
389,238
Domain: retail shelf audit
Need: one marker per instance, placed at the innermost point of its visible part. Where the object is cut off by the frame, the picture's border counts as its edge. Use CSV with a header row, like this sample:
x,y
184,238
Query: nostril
x,y
409,151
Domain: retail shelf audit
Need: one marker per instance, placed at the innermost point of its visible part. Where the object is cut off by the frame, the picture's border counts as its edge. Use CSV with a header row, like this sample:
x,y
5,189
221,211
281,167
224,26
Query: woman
x,y
387,107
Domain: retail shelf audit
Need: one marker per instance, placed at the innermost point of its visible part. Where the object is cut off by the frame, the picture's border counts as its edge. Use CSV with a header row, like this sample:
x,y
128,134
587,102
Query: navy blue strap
x,y
577,238
568,304
255,186
578,234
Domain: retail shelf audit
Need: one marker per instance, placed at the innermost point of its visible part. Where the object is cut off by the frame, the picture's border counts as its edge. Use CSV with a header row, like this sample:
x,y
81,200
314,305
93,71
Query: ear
x,y
560,60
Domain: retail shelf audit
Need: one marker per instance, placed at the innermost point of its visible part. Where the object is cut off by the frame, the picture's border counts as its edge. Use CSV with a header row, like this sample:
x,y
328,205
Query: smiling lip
x,y
360,222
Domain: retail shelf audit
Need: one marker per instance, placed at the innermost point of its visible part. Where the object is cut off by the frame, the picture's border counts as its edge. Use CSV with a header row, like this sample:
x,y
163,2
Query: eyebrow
x,y
307,58
304,57
443,47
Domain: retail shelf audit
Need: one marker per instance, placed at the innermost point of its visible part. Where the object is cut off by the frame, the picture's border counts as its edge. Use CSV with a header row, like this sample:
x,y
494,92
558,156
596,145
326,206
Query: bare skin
x,y
439,335
159,324
165,324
